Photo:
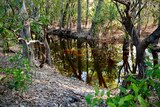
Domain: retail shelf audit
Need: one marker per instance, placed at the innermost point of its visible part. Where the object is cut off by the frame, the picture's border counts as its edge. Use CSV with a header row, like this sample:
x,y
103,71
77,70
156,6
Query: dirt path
x,y
48,89
52,89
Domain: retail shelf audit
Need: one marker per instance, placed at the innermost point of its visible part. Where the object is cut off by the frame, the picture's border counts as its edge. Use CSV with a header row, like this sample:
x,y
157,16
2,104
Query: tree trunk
x,y
97,67
48,52
98,70
61,16
47,48
26,35
78,41
92,29
79,59
65,14
87,13
62,53
79,17
87,64
155,57
125,64
74,70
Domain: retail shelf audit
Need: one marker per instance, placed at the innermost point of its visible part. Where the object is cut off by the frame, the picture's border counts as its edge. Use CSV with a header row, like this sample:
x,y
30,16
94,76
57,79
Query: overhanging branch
x,y
151,39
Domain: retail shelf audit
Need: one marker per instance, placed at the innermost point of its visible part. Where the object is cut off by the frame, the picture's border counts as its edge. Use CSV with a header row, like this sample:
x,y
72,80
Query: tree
x,y
132,31
78,41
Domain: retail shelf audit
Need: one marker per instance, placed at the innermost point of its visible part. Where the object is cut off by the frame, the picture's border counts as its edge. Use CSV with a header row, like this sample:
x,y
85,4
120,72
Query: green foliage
x,y
9,21
93,100
112,13
17,75
137,93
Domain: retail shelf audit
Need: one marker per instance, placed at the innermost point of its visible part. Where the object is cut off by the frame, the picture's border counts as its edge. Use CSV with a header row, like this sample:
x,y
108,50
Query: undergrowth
x,y
135,95
17,74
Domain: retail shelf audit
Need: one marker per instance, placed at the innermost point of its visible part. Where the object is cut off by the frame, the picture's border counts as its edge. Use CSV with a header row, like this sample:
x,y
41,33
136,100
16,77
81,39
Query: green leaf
x,y
157,66
94,102
129,97
1,30
156,73
111,105
130,78
142,101
122,89
149,50
149,64
108,93
88,98
121,102
1,25
135,88
99,101
102,93
96,91
149,72
116,99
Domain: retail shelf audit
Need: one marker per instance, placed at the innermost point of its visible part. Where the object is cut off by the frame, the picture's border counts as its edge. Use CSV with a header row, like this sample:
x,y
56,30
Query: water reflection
x,y
94,64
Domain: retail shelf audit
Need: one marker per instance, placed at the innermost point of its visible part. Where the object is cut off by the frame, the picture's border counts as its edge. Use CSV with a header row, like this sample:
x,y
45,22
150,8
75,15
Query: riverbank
x,y
48,89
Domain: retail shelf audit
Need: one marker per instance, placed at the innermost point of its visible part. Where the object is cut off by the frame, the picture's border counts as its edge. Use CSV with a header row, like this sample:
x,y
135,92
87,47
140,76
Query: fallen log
x,y
69,34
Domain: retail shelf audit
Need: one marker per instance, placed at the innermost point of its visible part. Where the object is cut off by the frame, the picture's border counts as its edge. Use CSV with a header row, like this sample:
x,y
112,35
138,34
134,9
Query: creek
x,y
93,64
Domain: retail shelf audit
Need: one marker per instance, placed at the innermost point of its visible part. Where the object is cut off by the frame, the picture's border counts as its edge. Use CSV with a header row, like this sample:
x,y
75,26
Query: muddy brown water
x,y
108,57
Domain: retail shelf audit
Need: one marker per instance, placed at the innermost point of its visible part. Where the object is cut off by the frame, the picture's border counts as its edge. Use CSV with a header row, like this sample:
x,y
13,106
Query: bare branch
x,y
31,41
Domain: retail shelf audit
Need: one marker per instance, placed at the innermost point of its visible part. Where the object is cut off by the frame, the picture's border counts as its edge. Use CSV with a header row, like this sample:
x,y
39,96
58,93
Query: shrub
x,y
17,73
